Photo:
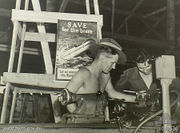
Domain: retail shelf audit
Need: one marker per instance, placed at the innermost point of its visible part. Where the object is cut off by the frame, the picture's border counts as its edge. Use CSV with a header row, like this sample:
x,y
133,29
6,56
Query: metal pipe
x,y
166,105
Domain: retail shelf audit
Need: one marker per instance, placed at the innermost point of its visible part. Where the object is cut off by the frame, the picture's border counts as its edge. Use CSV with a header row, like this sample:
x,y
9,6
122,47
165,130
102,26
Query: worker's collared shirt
x,y
147,79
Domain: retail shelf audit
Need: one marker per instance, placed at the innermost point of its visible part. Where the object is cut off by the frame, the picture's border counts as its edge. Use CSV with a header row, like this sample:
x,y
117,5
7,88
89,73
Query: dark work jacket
x,y
131,80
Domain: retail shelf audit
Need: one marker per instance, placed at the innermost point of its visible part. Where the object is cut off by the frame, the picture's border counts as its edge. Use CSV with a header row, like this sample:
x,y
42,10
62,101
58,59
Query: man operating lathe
x,y
89,88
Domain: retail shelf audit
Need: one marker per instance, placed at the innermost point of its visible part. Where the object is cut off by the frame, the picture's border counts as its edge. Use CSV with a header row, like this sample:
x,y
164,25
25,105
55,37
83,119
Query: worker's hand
x,y
71,107
64,97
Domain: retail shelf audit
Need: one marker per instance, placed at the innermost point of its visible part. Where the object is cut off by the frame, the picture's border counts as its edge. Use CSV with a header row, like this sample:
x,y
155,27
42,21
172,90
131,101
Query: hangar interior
x,y
136,24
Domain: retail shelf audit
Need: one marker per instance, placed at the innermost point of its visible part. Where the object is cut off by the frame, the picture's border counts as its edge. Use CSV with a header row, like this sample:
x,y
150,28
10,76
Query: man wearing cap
x,y
86,92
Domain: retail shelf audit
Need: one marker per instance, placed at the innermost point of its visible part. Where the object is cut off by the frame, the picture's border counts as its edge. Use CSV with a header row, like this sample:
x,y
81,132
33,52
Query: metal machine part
x,y
64,97
150,111
127,115
148,102
175,101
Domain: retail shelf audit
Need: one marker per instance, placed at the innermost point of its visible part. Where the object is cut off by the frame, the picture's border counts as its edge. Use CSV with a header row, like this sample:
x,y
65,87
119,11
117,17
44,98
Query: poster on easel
x,y
72,46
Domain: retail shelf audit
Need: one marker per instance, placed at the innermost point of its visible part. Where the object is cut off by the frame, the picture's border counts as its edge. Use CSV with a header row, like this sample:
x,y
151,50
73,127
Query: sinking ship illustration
x,y
76,50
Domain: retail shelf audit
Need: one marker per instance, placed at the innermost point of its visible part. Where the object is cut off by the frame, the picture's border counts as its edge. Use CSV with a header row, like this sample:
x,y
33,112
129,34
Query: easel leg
x,y
44,45
5,102
56,108
13,105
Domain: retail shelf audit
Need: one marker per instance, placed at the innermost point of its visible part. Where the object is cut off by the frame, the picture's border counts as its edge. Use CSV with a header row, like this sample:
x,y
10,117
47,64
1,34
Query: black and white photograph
x,y
90,66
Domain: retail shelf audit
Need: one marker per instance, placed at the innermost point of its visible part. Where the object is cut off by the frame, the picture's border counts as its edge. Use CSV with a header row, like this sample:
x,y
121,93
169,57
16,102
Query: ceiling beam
x,y
63,5
155,12
112,17
170,20
153,27
130,15
126,28
150,28
142,42
159,10
118,11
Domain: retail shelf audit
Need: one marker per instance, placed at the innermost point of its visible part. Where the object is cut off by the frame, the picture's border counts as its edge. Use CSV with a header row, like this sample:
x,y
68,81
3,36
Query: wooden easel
x,y
38,80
